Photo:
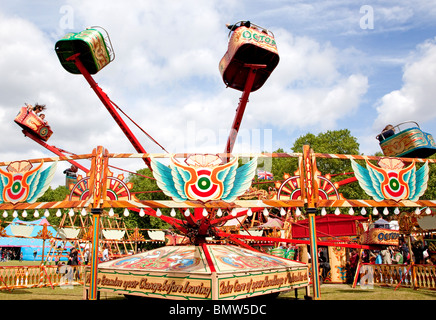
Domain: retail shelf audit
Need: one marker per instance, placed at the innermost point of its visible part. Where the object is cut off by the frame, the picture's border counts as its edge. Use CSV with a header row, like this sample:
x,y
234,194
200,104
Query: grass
x,y
346,292
58,293
328,292
18,263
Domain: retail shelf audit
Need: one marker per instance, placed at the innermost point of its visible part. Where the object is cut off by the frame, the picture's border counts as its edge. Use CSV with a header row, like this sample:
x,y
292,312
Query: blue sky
x,y
343,64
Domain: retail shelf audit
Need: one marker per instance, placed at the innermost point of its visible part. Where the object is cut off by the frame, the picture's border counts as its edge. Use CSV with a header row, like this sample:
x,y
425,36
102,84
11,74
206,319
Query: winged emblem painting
x,y
23,183
204,178
391,180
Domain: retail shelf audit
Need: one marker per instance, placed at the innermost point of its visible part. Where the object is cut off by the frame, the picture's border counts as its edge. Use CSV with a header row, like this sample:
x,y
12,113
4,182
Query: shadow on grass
x,y
14,292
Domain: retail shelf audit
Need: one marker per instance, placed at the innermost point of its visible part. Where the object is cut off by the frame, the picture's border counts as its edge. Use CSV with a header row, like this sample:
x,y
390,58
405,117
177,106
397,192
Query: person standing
x,y
386,256
86,256
105,253
73,261
398,257
354,260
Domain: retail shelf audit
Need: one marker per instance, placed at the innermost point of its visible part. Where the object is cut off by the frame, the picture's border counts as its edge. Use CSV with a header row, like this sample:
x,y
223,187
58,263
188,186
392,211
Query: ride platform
x,y
203,272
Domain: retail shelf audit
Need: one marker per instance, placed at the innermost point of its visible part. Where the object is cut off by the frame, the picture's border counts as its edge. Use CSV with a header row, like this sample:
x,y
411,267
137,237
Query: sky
x,y
356,65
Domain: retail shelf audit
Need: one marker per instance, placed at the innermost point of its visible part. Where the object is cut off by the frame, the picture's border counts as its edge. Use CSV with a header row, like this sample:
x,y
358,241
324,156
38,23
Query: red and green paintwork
x,y
90,43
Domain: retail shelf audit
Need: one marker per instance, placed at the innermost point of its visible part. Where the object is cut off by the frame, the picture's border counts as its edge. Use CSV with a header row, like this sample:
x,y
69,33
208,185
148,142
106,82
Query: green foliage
x,y
51,195
145,188
58,194
337,141
430,193
280,166
334,142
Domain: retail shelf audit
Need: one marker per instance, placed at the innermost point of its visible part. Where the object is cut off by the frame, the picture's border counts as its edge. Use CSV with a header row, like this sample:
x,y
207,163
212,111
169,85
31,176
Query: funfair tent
x,y
22,234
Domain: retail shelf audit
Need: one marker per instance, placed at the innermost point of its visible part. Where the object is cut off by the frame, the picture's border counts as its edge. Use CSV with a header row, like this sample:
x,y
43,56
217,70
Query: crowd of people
x,y
7,254
399,254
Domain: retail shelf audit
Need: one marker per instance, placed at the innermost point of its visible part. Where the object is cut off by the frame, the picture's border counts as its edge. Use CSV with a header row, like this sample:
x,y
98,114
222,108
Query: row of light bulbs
x,y
219,213
46,213
375,211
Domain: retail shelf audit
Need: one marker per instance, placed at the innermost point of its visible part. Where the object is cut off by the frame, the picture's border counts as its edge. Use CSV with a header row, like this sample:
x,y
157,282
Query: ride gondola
x,y
406,140
249,45
94,47
31,122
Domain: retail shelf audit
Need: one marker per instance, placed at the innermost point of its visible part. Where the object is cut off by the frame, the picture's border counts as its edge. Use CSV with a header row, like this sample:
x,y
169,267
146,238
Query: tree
x,y
145,187
334,142
279,167
430,193
52,195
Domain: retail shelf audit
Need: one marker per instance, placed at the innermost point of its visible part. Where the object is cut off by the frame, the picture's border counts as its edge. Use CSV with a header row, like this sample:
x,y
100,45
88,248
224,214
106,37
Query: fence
x,y
17,277
418,276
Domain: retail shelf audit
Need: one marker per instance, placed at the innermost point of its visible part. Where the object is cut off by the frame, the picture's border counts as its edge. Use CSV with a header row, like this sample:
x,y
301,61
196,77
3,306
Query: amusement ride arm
x,y
241,107
109,106
54,150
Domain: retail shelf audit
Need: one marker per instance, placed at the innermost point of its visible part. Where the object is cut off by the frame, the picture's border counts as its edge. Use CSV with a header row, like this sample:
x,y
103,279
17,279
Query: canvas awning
x,y
113,234
156,235
18,230
272,223
69,233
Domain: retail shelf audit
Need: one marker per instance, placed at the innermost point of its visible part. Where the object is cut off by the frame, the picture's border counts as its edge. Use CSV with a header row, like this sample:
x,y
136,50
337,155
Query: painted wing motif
x,y
407,183
237,180
369,180
3,182
25,185
179,181
171,181
39,182
419,182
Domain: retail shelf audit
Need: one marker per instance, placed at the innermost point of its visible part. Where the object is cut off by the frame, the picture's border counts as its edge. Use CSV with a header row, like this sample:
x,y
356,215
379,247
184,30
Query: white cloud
x,y
415,99
165,75
307,89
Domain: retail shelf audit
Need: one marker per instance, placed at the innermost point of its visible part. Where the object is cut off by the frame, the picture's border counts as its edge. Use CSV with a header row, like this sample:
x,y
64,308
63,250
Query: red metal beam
x,y
241,107
176,223
109,106
234,239
54,150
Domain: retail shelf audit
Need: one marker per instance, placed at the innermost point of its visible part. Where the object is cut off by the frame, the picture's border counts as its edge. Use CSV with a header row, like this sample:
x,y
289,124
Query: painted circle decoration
x,y
17,191
203,188
43,132
393,189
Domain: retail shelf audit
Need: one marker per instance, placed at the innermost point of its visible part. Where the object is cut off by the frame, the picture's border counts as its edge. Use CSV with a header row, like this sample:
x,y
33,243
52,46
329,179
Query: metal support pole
x,y
54,150
241,107
309,170
314,253
96,214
